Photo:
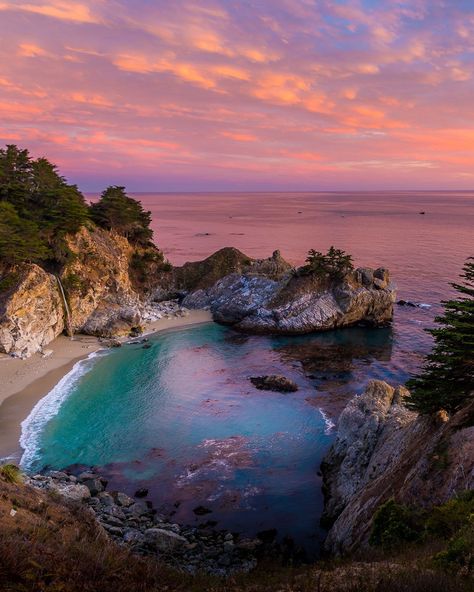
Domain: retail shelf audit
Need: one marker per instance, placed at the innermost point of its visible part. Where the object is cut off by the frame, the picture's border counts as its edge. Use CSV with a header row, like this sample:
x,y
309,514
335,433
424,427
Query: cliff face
x,y
101,297
98,287
31,310
257,301
382,450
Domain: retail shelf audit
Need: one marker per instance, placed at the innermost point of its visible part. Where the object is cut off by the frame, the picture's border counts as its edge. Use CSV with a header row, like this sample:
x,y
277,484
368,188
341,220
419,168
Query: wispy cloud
x,y
310,92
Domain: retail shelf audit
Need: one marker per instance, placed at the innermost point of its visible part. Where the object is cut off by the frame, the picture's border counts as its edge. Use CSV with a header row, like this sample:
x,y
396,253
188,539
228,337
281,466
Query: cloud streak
x,y
301,95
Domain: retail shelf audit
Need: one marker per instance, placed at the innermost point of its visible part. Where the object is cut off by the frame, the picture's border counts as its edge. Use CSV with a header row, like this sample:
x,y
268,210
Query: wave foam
x,y
47,408
330,425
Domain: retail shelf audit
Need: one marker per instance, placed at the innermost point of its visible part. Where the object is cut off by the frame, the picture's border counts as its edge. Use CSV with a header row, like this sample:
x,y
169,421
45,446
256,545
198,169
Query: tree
x,y
19,239
44,202
447,378
117,211
335,264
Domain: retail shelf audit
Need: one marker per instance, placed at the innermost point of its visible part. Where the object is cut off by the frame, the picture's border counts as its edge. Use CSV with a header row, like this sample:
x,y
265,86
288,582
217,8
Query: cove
x,y
182,419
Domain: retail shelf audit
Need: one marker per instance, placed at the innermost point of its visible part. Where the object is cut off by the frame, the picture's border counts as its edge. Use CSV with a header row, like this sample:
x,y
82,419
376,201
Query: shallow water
x,y
182,417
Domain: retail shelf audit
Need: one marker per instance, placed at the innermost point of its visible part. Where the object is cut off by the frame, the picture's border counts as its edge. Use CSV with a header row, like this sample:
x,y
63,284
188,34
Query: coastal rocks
x,y
31,310
383,450
274,382
296,304
136,525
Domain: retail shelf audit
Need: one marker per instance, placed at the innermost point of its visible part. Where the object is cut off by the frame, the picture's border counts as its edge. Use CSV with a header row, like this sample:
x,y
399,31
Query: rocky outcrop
x,y
135,524
289,303
203,275
31,310
383,450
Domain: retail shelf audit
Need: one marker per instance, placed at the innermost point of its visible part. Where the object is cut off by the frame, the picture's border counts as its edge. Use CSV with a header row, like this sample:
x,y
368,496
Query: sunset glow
x,y
219,95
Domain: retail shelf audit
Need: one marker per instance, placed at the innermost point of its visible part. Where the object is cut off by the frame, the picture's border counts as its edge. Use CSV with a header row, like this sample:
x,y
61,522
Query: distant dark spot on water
x,y
203,234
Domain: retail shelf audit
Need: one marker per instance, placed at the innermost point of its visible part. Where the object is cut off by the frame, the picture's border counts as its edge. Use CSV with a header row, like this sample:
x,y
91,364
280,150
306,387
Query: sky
x,y
214,95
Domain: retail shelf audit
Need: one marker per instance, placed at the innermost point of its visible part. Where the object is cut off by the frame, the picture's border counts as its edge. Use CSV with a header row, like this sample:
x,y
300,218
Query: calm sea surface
x,y
182,418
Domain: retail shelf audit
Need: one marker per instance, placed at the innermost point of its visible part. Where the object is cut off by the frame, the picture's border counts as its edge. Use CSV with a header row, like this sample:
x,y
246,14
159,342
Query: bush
x,y
10,473
394,524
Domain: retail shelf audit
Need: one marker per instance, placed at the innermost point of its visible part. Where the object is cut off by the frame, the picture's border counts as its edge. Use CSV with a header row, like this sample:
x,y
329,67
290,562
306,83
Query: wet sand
x,y
24,382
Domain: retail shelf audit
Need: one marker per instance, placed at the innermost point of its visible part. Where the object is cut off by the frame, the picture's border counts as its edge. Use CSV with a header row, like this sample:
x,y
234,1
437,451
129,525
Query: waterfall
x,y
66,308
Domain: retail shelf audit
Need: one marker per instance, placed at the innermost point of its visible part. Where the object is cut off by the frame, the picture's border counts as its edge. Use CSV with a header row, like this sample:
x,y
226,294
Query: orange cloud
x,y
66,11
239,137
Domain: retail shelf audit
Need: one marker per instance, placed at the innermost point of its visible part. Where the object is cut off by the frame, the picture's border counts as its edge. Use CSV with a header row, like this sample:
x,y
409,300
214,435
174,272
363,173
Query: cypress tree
x,y
447,378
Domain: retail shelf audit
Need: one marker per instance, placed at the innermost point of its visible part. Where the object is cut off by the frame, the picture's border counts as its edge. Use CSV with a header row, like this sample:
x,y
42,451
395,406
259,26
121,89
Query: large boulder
x,y
290,303
383,450
31,310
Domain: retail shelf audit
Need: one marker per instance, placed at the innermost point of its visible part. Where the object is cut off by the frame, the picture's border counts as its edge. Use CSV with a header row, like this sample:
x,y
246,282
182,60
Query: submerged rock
x,y
274,382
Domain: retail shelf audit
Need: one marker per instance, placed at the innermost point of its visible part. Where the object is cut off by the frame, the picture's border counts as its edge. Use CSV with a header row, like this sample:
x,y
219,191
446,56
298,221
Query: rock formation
x,y
31,310
383,450
256,300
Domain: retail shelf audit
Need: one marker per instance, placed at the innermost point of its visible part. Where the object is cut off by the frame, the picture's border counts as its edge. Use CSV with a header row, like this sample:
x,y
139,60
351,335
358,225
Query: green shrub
x,y
393,525
10,473
459,552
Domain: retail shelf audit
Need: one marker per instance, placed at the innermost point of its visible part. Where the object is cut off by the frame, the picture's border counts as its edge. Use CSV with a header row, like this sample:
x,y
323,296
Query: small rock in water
x,y
201,511
142,492
274,382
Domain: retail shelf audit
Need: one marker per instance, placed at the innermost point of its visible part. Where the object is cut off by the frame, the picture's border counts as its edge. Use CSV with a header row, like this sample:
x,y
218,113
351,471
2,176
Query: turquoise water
x,y
183,419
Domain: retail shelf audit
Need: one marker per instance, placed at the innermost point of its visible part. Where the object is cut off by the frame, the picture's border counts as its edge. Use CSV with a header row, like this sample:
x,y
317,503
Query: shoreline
x,y
24,382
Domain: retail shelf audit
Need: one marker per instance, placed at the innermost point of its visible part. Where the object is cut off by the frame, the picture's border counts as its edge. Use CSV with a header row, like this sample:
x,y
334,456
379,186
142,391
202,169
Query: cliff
x,y
31,310
106,290
382,451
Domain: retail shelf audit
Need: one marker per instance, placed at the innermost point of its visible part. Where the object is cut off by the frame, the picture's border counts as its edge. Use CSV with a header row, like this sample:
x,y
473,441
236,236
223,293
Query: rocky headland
x,y
382,451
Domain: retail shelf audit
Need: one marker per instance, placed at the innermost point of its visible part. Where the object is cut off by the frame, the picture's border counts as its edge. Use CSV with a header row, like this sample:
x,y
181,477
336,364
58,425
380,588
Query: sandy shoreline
x,y
24,382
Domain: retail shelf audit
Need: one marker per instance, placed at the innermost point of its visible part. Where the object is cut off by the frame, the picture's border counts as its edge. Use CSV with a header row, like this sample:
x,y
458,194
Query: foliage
x,y
20,239
10,473
447,378
335,264
393,525
117,211
38,208
460,551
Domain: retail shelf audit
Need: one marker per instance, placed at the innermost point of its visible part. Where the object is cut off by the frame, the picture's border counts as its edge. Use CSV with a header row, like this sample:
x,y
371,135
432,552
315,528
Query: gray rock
x,y
296,305
123,500
95,486
164,540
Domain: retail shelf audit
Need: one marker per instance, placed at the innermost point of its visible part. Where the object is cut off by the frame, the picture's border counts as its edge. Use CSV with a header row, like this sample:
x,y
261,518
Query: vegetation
x,y
335,264
49,546
447,379
116,210
450,525
10,473
37,209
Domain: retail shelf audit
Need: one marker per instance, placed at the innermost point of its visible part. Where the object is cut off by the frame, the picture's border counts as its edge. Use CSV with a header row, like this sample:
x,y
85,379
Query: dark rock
x,y
142,492
95,486
201,511
274,382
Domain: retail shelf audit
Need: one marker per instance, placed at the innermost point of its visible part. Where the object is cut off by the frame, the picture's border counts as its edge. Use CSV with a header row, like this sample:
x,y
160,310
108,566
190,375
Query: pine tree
x,y
116,210
447,378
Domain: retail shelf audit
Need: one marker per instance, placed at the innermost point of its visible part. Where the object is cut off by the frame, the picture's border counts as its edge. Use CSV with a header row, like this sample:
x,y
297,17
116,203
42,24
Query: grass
x,y
47,546
10,473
